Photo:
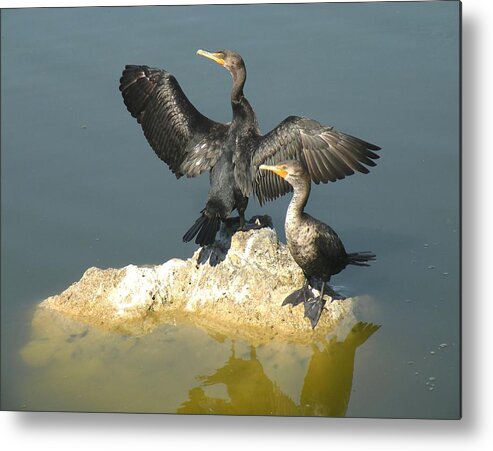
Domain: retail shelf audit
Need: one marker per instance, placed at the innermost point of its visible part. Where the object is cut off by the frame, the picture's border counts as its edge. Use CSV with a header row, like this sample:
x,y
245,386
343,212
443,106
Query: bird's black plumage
x,y
314,246
190,143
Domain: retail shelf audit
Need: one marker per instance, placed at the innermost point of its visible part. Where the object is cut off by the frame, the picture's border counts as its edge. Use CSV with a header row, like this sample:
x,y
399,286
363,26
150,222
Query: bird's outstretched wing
x,y
187,141
328,154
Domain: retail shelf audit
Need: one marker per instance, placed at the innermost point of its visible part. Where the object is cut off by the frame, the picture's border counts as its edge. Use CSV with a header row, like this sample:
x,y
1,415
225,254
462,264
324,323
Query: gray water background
x,y
81,187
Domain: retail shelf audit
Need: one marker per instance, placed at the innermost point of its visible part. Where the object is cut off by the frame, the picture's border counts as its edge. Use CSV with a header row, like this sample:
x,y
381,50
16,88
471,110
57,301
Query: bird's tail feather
x,y
206,228
361,258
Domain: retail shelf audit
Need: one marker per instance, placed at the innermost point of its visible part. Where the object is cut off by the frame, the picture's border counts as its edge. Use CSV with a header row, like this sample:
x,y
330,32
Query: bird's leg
x,y
242,227
305,288
241,203
314,306
245,226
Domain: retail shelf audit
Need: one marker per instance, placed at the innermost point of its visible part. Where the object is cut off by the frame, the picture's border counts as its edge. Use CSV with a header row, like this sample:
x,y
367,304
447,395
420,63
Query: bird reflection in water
x,y
326,387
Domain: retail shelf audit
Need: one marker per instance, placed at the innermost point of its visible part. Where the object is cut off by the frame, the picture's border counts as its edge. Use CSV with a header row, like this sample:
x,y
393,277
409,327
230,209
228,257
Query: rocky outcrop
x,y
235,287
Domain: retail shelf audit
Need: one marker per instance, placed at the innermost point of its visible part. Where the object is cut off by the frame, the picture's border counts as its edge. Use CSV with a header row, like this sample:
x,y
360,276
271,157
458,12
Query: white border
x,y
165,432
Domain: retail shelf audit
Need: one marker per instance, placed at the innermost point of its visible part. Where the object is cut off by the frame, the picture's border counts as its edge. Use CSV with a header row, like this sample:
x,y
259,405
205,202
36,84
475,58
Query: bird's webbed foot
x,y
313,310
255,223
298,296
313,304
250,226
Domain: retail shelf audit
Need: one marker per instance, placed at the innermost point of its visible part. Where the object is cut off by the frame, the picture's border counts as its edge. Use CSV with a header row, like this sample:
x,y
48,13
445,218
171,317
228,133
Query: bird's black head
x,y
226,58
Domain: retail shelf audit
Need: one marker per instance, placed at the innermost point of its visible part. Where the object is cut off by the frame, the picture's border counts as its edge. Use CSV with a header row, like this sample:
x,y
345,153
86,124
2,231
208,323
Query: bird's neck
x,y
239,78
301,192
243,114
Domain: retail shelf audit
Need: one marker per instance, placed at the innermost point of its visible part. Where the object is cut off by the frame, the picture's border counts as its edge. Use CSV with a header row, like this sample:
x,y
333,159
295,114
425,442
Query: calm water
x,y
81,187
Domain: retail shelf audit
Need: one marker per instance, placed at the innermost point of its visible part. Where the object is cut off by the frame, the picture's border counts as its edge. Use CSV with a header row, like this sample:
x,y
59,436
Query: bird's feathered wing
x,y
328,154
187,141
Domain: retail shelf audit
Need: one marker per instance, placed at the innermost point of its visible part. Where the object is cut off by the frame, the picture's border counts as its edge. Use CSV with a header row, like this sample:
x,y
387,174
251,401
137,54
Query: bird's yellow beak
x,y
275,169
213,56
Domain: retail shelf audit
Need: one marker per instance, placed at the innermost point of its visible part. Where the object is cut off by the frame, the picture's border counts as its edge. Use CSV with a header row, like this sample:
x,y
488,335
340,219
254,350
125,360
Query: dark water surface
x,y
81,187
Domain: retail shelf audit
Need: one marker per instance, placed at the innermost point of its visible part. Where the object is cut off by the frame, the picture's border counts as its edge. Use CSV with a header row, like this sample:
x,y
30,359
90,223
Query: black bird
x,y
190,143
314,246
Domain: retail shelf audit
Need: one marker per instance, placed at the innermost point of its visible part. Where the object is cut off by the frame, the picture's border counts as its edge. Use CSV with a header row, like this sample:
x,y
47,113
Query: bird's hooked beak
x,y
213,56
275,169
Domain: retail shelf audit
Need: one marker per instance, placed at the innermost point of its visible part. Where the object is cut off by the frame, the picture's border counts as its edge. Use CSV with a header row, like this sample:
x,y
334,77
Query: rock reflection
x,y
184,369
325,391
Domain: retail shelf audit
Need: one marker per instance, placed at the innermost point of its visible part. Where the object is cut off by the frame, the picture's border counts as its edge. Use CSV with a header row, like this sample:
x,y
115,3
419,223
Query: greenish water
x,y
81,187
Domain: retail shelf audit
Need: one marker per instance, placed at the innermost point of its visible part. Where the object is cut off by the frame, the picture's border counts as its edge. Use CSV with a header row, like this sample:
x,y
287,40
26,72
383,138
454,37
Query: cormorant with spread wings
x,y
190,143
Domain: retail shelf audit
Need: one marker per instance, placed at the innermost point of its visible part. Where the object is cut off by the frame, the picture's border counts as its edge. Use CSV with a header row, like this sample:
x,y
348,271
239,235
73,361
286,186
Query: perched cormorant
x,y
316,248
190,143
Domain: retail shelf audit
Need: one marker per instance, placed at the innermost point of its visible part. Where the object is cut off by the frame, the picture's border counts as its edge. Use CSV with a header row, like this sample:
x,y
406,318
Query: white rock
x,y
237,285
